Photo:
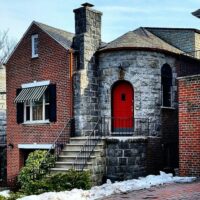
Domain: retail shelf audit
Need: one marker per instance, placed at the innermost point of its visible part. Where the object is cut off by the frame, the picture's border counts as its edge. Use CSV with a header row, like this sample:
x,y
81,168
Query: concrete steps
x,y
67,157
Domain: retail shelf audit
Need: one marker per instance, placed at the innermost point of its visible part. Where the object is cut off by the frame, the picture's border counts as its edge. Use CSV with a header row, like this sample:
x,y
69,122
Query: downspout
x,y
71,82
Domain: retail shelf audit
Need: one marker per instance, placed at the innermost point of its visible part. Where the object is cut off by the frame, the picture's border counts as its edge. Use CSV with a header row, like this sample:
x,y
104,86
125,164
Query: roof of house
x,y
141,38
196,13
173,29
63,37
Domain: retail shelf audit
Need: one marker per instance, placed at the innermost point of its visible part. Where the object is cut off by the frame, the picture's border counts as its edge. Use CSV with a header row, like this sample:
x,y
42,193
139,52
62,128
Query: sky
x,y
119,16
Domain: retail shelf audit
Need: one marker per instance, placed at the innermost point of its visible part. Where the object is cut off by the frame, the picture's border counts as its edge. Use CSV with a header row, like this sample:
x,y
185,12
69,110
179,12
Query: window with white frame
x,y
34,44
37,111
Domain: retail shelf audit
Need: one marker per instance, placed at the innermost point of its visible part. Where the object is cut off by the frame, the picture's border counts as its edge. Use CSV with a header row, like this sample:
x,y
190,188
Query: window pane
x,y
47,96
167,96
27,113
46,112
37,110
36,46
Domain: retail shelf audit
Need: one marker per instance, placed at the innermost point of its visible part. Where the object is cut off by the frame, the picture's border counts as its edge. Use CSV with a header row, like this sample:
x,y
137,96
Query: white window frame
x,y
31,121
33,37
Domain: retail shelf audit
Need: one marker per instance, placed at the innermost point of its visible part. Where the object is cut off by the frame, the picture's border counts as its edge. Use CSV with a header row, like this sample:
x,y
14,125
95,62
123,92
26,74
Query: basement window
x,y
34,45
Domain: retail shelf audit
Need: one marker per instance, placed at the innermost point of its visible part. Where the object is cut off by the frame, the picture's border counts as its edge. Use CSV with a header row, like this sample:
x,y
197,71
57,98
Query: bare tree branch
x,y
6,46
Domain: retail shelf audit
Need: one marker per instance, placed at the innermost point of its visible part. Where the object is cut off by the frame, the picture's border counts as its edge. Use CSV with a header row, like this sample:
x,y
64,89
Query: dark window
x,y
166,81
27,113
77,61
123,97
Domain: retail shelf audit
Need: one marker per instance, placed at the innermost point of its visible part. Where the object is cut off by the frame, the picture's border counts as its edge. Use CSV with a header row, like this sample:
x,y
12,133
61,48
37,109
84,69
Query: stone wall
x,y
2,146
2,122
197,45
126,159
86,42
143,70
2,88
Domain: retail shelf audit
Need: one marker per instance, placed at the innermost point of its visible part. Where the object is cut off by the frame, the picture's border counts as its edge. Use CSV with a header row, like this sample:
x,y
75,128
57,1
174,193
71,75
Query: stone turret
x,y
87,41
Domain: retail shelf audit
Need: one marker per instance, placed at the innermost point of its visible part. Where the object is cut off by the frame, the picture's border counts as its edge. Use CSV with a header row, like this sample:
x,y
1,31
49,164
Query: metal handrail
x,y
125,126
57,149
53,146
87,148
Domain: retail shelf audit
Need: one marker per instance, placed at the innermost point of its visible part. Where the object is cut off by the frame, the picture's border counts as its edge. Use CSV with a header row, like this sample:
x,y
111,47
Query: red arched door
x,y
122,107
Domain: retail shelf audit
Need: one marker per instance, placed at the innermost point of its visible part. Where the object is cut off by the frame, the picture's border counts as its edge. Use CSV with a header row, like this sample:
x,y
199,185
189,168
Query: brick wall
x,y
52,64
189,126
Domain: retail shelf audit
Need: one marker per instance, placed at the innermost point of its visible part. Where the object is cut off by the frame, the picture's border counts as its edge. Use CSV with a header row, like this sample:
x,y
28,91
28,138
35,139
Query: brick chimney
x,y
87,41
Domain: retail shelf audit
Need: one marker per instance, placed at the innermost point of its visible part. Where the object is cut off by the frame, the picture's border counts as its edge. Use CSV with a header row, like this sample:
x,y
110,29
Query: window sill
x,y
170,108
35,57
37,122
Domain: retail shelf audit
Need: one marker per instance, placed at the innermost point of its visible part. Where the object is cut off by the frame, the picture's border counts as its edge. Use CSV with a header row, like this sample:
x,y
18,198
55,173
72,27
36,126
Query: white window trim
x,y
35,146
35,84
31,121
33,37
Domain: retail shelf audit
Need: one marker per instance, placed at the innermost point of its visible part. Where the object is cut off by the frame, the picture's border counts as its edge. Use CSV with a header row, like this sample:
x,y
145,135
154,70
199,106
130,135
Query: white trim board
x,y
35,146
35,84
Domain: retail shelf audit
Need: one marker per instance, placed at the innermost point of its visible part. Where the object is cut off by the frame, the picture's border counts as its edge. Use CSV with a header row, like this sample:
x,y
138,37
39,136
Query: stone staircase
x,y
69,153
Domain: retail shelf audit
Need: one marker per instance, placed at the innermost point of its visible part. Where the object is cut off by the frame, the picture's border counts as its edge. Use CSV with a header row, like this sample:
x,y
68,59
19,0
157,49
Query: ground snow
x,y
111,188
5,193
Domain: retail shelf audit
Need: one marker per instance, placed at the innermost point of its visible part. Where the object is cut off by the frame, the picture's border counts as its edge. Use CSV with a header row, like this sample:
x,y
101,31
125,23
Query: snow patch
x,y
5,193
111,188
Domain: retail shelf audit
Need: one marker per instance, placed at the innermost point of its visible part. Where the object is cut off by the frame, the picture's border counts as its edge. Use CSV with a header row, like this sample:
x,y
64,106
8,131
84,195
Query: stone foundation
x,y
126,158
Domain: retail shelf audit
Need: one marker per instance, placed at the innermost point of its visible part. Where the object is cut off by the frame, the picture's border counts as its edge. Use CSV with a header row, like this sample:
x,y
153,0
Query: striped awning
x,y
30,94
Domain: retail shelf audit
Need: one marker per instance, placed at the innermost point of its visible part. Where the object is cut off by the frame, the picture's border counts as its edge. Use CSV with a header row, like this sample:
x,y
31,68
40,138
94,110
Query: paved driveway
x,y
177,191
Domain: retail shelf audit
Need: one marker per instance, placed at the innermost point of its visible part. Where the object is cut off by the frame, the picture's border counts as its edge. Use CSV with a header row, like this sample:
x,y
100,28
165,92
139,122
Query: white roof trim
x,y
35,84
51,36
35,146
189,76
33,22
18,43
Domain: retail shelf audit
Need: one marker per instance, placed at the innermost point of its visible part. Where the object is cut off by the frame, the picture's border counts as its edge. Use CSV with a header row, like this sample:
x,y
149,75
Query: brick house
x,y
63,89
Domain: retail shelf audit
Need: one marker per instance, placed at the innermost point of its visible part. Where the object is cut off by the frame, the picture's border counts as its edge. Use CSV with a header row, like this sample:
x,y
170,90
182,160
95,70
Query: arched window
x,y
166,81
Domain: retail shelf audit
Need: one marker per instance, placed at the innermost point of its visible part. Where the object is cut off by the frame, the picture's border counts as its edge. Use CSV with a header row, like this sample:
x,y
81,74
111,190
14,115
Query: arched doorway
x,y
122,107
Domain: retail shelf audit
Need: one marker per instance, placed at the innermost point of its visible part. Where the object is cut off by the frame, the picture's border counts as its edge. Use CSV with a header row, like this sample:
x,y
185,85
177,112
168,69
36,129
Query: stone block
x,y
122,161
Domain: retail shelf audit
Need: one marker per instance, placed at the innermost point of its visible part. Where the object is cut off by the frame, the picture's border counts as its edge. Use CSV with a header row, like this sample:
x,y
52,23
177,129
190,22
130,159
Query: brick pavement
x,y
175,191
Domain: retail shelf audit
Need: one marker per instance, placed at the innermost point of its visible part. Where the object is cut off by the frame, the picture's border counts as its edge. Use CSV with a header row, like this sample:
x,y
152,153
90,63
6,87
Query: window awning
x,y
30,94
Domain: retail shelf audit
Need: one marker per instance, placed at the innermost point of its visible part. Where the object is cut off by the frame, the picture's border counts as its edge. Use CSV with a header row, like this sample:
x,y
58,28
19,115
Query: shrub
x,y
14,196
36,167
59,182
70,180
2,198
34,180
